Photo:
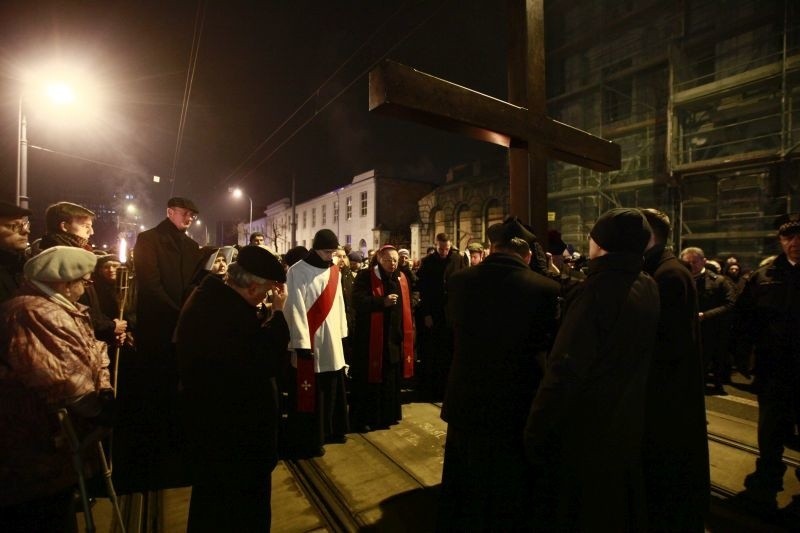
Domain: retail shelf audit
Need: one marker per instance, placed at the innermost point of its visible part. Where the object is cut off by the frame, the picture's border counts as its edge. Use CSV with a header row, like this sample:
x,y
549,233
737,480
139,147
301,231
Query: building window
x,y
336,211
305,218
364,204
313,217
348,213
322,213
348,239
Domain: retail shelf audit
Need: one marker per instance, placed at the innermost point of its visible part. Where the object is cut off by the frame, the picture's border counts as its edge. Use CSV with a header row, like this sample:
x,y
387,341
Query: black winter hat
x,y
621,230
325,239
294,255
261,262
8,210
788,224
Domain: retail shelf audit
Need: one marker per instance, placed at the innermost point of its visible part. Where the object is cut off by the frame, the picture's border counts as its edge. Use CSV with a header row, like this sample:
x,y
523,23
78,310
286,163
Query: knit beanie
x,y
325,239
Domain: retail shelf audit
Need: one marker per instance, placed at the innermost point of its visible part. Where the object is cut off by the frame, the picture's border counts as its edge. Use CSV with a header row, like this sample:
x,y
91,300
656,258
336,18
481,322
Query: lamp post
x,y
238,193
58,93
22,159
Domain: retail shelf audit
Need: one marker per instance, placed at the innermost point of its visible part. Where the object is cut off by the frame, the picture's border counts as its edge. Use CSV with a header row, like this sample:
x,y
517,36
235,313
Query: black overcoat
x,y
165,261
503,316
676,444
584,431
228,362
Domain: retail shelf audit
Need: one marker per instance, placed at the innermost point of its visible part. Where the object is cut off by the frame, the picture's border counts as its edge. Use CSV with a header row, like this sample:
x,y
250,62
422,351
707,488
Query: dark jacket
x,y
504,317
228,361
716,296
432,276
768,319
584,432
364,304
165,261
10,273
675,444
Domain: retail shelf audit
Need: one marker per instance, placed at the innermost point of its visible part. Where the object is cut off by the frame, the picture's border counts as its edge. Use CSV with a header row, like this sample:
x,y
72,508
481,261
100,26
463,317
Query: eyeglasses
x,y
86,282
185,213
18,227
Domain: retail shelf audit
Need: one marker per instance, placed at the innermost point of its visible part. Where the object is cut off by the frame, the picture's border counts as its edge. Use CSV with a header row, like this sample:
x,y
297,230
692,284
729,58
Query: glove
x,y
304,354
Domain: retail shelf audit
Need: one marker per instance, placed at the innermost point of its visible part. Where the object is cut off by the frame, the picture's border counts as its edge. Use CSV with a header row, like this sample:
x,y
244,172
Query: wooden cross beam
x,y
522,126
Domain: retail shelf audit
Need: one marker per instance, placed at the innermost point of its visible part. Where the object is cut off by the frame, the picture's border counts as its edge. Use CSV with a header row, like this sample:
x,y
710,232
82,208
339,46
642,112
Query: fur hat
x,y
325,239
788,224
621,230
60,263
260,262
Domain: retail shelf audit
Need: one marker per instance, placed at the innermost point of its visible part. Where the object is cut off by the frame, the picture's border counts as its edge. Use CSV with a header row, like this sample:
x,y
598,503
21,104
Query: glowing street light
x,y
236,192
40,89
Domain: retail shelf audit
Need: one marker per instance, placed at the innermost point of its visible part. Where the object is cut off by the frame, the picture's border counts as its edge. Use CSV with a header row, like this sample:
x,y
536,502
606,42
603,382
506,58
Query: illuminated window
x,y
348,214
364,204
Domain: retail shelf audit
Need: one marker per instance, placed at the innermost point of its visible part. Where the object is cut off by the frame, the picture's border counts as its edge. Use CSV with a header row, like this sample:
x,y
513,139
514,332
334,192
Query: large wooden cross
x,y
521,125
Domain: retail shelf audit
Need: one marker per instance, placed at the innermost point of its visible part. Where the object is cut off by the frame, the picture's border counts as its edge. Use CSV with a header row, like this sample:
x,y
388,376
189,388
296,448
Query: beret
x,y
8,210
261,262
184,203
403,251
355,257
60,263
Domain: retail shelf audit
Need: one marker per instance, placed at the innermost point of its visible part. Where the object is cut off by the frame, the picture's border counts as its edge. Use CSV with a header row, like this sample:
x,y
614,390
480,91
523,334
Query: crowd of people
x,y
573,387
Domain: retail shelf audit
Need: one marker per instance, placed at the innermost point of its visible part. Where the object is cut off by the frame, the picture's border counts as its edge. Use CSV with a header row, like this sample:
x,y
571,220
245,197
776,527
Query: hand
x,y
120,338
390,300
278,298
120,326
428,321
700,315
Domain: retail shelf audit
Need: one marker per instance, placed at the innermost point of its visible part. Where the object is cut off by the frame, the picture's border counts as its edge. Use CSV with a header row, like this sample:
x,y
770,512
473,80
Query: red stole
x,y
375,373
316,315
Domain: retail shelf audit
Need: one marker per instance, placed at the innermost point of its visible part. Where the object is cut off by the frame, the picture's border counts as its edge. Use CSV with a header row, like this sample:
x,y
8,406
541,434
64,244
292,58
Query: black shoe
x,y
758,501
335,439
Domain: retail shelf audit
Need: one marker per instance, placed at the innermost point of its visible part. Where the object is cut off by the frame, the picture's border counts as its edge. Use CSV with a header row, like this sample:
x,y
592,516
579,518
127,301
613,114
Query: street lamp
x,y
237,193
199,222
59,93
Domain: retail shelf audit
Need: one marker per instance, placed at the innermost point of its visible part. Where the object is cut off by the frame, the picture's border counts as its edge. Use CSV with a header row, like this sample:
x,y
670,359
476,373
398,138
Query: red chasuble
x,y
375,374
316,315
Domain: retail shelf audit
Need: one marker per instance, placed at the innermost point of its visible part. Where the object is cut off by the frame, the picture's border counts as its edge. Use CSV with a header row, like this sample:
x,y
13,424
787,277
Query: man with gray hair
x,y
228,360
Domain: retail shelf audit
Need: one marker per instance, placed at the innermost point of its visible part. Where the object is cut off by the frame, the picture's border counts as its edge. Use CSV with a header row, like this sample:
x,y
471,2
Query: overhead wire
x,y
199,21
315,93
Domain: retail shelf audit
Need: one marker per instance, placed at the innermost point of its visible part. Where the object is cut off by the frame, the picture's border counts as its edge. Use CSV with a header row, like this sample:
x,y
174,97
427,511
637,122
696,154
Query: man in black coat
x,y
503,316
228,361
676,468
716,297
148,443
767,321
14,231
584,431
435,336
383,342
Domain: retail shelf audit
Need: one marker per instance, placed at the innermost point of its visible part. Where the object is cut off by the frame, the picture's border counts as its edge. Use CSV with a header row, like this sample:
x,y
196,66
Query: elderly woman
x,y
49,359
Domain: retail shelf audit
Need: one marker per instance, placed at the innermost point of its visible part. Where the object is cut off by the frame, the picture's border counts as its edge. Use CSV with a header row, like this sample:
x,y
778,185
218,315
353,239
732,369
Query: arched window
x,y
438,224
493,214
463,221
362,245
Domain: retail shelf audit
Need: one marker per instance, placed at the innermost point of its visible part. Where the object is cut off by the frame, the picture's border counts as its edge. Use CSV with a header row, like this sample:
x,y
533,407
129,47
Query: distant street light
x,y
199,222
237,193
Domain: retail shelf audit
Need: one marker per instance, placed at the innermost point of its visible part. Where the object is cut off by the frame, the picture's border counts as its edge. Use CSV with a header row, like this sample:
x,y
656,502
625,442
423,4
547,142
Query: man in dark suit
x,y
675,448
148,444
503,316
435,336
584,432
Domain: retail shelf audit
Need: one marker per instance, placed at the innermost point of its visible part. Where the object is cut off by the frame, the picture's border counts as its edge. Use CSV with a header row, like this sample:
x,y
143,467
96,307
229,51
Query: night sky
x,y
258,62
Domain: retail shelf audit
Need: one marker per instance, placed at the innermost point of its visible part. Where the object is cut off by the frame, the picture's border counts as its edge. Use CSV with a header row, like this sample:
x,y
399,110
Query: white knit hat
x,y
60,263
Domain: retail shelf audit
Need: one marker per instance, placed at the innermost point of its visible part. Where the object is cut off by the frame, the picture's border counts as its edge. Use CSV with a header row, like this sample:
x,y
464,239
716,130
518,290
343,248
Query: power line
x,y
315,93
95,161
199,20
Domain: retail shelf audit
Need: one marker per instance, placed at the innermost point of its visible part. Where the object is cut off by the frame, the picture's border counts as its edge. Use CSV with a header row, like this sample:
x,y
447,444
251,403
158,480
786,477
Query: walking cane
x,y
76,447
